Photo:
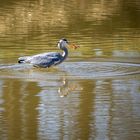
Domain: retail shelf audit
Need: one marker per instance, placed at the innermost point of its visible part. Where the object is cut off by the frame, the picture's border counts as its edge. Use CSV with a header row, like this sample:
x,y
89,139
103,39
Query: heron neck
x,y
65,53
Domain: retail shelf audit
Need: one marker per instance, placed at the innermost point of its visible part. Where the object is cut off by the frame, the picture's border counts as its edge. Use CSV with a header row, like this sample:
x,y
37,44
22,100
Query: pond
x,y
94,94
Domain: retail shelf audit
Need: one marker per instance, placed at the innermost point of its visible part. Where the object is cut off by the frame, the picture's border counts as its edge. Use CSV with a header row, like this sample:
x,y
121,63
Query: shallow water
x,y
94,94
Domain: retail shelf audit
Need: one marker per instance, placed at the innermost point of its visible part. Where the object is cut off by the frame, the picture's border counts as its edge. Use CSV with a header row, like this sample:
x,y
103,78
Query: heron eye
x,y
65,40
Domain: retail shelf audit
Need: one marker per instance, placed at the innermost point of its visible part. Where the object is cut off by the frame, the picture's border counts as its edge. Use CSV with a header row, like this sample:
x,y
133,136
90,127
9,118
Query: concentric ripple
x,y
82,70
101,69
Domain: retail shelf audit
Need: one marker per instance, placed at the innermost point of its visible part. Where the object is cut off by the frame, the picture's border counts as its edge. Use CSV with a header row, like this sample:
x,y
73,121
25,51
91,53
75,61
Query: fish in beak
x,y
73,46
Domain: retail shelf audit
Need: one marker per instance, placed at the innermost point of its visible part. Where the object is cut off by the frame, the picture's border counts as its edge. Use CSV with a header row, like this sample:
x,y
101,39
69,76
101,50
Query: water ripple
x,y
82,70
101,69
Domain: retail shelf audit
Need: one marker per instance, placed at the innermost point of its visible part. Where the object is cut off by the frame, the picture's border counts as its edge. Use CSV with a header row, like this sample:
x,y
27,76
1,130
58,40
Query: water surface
x,y
94,94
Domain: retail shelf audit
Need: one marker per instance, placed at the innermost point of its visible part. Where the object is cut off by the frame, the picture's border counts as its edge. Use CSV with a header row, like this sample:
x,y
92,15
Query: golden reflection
x,y
36,25
32,15
18,104
102,10
68,87
100,110
94,107
103,105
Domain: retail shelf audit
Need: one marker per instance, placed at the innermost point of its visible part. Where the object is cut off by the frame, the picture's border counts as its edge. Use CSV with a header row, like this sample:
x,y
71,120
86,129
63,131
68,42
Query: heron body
x,y
46,60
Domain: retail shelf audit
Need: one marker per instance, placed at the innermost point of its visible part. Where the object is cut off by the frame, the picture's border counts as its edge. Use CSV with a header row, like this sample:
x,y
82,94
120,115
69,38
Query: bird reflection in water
x,y
68,87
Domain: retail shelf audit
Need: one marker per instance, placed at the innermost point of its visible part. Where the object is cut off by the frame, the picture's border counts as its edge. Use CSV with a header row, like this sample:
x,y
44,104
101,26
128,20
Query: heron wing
x,y
46,59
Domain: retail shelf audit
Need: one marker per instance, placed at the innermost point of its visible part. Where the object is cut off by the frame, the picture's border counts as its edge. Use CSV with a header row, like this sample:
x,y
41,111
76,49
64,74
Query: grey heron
x,y
46,60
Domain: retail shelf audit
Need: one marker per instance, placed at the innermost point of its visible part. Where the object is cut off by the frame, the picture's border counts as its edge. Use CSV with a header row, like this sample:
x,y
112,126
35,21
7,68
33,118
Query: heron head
x,y
64,43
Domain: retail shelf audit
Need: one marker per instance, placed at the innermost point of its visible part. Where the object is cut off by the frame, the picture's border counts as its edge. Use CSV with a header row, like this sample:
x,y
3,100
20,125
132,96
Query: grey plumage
x,y
47,59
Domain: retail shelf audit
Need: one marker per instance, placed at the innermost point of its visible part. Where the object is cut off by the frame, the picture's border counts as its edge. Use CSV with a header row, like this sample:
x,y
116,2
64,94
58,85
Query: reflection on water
x,y
81,70
102,109
95,107
99,82
68,87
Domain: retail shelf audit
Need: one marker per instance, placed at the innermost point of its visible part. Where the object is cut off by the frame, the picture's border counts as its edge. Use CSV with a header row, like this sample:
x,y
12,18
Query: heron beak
x,y
73,46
